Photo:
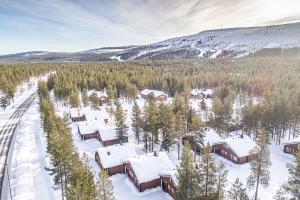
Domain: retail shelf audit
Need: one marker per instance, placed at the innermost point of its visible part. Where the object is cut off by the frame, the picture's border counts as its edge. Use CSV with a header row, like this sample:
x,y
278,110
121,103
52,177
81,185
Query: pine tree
x,y
136,121
260,162
74,98
188,181
167,125
120,122
237,191
222,173
94,100
85,98
208,174
292,186
105,186
152,122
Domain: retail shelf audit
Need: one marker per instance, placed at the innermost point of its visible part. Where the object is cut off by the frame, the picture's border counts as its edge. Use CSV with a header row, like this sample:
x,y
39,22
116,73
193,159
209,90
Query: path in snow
x,y
28,177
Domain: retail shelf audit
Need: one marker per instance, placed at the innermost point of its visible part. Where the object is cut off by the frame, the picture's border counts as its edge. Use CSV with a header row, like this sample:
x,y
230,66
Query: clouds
x,y
72,25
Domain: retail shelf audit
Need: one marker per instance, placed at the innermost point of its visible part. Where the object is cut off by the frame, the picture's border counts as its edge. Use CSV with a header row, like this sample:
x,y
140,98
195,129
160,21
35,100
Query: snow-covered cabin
x,y
197,94
108,136
155,94
237,149
209,136
112,158
101,96
292,146
169,182
208,93
144,170
88,130
76,115
200,94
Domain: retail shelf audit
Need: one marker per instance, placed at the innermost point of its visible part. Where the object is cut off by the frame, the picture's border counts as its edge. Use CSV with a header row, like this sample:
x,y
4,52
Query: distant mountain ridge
x,y
219,43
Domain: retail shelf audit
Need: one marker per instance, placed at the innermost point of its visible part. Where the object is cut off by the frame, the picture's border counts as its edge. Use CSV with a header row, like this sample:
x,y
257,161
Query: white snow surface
x,y
87,127
241,146
243,41
148,167
212,137
115,155
28,177
107,133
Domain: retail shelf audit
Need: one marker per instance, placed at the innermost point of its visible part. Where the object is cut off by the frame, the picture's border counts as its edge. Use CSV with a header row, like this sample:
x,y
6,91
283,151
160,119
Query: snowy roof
x,y
92,115
76,112
148,167
146,92
172,173
211,137
107,133
98,93
241,146
87,127
195,92
293,141
115,155
155,93
208,92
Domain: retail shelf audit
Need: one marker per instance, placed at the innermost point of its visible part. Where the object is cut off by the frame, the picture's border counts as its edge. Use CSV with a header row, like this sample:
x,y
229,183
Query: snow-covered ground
x,y
28,177
123,187
23,92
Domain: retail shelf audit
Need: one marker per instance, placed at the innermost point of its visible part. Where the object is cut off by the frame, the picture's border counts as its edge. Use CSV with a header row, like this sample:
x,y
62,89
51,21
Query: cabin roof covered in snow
x,y
195,92
107,133
87,127
293,141
208,92
115,155
155,93
241,146
98,93
76,112
148,167
211,137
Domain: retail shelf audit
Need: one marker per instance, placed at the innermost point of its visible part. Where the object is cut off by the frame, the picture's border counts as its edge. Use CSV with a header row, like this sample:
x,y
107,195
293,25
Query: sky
x,y
76,25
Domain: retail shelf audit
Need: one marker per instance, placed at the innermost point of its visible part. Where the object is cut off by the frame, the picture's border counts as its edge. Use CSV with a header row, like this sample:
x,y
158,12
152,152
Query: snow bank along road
x,y
6,135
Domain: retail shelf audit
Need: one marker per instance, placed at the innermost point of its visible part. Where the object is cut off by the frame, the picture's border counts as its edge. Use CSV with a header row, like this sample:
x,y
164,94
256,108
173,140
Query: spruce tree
x,y
208,174
188,179
237,191
85,98
120,122
136,121
222,173
292,186
105,187
260,163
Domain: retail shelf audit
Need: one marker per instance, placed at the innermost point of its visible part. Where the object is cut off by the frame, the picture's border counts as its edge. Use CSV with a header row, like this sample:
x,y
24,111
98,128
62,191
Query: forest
x,y
274,81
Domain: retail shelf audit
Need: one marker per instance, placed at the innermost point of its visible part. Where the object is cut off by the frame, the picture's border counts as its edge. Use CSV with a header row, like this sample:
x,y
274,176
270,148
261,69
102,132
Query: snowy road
x,y
6,134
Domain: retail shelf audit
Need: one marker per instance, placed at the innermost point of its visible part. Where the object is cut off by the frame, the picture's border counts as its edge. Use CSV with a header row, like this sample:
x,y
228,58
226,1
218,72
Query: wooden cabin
x,y
112,158
77,115
88,130
292,147
237,149
153,94
108,136
102,97
169,182
197,94
144,170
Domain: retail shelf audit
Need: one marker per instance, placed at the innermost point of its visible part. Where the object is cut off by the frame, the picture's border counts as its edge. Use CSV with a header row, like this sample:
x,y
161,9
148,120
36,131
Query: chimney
x,y
242,136
155,153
